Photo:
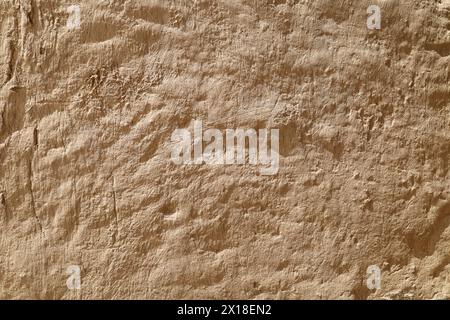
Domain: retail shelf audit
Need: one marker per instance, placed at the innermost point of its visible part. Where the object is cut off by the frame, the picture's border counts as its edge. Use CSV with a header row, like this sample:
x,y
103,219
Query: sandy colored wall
x,y
86,178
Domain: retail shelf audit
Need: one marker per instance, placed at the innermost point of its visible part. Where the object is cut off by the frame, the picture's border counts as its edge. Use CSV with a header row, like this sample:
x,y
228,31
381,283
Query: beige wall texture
x,y
93,206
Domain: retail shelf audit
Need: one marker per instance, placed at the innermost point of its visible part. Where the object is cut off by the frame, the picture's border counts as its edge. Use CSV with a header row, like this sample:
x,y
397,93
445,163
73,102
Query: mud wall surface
x,y
92,91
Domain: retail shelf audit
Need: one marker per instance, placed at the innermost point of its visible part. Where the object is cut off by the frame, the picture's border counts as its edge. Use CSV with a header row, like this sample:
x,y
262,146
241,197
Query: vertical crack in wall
x,y
11,45
4,207
116,220
33,202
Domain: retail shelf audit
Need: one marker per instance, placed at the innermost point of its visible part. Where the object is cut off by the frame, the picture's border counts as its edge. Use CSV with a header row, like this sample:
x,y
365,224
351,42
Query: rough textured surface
x,y
86,178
